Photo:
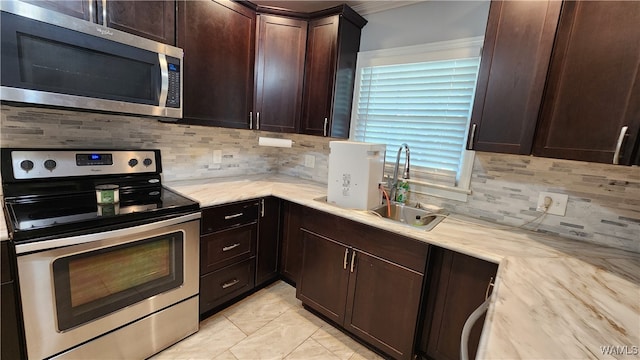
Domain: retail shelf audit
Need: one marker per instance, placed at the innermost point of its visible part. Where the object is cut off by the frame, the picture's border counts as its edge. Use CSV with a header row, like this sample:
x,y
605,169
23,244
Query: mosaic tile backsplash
x,y
603,207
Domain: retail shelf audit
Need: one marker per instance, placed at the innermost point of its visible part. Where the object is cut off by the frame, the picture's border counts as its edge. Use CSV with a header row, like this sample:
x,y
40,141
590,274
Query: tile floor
x,y
270,324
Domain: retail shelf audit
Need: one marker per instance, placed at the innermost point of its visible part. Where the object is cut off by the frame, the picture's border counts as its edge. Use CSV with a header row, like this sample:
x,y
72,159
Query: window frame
x,y
460,48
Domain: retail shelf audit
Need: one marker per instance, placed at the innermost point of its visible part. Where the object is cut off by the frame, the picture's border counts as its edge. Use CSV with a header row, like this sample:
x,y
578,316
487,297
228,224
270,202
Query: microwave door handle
x,y
164,77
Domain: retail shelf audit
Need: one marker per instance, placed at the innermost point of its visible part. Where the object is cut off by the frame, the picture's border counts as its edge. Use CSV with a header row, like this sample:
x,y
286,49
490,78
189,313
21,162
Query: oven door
x,y
53,59
83,287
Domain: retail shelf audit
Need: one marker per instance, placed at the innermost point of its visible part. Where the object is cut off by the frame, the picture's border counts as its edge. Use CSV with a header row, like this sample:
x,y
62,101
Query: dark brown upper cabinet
x,y
155,20
515,59
80,9
218,38
593,87
333,42
281,44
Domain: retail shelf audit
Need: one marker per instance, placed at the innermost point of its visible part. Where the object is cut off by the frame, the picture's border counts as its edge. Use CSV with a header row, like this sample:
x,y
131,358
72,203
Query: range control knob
x,y
26,165
133,162
50,164
147,162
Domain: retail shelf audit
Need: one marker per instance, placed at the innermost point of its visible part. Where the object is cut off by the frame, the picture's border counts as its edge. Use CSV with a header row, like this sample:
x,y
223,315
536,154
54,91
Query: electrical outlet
x,y
558,203
217,156
310,161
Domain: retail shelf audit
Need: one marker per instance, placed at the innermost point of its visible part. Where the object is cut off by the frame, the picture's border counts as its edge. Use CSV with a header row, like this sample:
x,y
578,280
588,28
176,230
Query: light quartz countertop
x,y
554,298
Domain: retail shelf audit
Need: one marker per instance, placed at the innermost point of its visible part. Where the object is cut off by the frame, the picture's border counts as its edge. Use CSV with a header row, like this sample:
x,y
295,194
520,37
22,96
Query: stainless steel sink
x,y
420,218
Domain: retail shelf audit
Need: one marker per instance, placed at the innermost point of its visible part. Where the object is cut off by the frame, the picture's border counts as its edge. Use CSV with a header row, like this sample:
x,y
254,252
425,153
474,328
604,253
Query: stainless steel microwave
x,y
53,59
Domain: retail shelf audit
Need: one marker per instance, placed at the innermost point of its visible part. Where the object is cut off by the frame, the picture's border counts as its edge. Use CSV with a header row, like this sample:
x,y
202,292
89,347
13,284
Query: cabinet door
x,y
268,235
457,287
279,73
291,248
324,276
593,87
515,59
80,9
155,20
319,75
383,304
218,38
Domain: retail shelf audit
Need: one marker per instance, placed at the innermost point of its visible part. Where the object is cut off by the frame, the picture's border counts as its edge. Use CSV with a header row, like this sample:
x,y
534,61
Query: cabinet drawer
x,y
220,286
226,247
226,216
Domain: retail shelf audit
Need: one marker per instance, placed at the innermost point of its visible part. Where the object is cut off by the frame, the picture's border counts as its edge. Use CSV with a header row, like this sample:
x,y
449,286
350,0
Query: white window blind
x,y
426,105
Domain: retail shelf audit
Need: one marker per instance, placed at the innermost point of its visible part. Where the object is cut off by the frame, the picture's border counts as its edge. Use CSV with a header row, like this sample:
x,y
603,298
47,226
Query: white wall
x,y
425,22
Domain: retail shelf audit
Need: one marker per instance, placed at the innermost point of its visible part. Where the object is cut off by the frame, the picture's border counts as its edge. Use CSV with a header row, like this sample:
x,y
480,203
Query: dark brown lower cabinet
x,y
373,298
268,239
291,246
457,286
325,276
383,304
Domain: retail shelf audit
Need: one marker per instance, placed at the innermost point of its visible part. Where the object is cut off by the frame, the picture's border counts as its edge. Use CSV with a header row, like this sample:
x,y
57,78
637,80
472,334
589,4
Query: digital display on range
x,y
94,159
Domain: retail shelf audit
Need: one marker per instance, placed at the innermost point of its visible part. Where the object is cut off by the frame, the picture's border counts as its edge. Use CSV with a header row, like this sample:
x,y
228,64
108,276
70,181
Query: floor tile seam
x,y
301,343
326,348
242,331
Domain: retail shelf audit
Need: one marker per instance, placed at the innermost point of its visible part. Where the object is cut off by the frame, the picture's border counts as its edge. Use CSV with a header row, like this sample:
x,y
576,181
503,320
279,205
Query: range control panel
x,y
39,164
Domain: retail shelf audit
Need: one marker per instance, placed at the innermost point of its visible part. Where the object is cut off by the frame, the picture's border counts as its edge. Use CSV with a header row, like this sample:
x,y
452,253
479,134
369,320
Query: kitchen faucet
x,y
405,174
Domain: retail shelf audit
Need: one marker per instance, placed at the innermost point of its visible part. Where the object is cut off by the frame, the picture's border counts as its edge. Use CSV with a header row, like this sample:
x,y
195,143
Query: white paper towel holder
x,y
275,142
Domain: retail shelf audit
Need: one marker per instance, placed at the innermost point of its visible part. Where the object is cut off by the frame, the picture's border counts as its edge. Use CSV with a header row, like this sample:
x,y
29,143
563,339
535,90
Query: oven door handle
x,y
81,239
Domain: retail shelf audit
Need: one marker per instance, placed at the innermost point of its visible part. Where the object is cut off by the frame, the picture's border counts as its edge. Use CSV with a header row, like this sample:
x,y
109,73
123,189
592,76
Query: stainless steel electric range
x,y
100,276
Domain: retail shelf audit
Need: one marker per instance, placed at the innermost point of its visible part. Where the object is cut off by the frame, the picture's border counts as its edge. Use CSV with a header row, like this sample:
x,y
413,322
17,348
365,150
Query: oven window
x,y
92,284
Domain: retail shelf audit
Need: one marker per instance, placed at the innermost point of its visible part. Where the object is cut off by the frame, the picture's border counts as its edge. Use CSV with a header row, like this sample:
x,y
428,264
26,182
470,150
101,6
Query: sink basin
x,y
420,218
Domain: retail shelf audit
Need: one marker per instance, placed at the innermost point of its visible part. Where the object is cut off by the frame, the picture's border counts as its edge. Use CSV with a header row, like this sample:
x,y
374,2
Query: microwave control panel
x,y
173,95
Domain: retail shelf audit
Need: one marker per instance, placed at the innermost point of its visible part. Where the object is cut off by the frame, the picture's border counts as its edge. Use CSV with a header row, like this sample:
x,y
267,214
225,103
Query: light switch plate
x,y
558,203
310,161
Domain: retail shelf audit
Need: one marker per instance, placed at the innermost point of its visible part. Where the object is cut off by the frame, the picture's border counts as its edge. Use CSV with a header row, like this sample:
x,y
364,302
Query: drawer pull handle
x,y
353,260
229,217
346,256
230,283
230,247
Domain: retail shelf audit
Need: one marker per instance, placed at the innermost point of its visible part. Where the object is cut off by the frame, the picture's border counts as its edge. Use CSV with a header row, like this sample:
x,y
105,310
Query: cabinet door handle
x,y
230,247
489,286
229,217
616,155
91,12
262,208
230,283
324,127
250,120
258,120
353,260
346,256
471,137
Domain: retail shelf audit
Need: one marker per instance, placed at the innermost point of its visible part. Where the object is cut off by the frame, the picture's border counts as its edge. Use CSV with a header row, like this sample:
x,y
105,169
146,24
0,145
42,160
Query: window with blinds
x,y
424,104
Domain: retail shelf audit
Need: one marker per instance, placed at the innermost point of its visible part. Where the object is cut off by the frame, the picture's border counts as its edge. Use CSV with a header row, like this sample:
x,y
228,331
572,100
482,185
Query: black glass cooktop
x,y
41,218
